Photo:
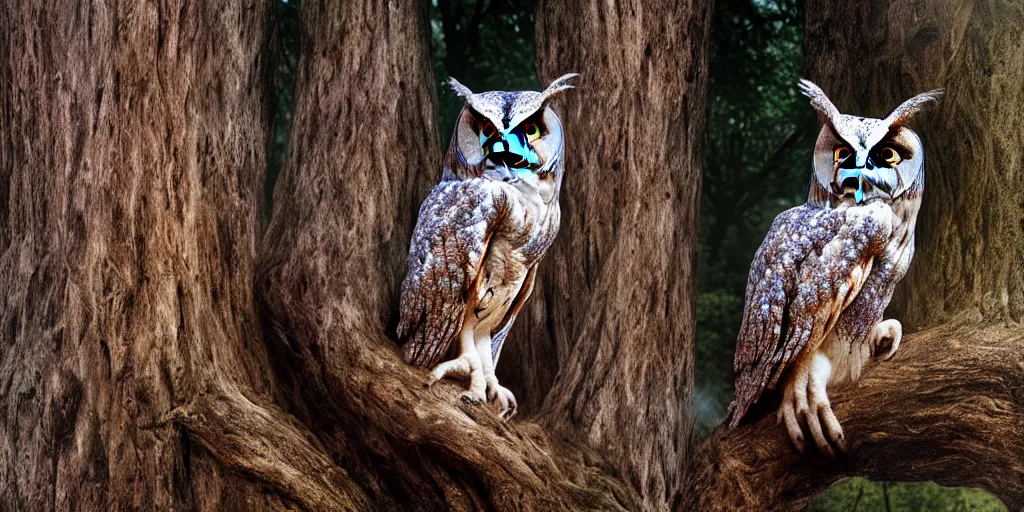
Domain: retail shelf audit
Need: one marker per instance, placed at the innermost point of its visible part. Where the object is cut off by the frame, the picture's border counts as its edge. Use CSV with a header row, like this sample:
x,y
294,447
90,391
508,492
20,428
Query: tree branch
x,y
949,407
269,445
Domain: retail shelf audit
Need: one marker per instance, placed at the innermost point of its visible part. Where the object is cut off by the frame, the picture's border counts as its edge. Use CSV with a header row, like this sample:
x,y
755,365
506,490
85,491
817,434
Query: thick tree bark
x,y
610,330
133,147
948,408
970,236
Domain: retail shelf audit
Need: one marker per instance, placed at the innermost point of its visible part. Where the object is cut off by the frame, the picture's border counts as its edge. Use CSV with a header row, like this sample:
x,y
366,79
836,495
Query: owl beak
x,y
865,183
508,175
509,149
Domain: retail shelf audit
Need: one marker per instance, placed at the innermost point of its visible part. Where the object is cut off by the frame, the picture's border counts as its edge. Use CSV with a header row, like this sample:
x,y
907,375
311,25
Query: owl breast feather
x,y
459,222
810,267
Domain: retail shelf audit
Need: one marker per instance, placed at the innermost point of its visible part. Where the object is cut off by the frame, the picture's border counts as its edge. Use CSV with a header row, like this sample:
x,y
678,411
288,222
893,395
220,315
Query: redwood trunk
x,y
133,139
611,328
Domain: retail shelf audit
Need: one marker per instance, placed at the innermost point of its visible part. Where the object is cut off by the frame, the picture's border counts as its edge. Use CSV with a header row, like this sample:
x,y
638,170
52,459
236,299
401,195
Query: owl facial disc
x,y
859,159
863,175
510,136
510,148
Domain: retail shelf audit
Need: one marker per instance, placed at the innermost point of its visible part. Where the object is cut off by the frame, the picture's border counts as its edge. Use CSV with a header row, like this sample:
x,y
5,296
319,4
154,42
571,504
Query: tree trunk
x,y
328,282
133,147
948,407
616,299
970,235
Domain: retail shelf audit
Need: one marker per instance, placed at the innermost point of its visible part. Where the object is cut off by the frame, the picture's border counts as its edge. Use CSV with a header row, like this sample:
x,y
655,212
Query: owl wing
x,y
498,339
451,238
809,268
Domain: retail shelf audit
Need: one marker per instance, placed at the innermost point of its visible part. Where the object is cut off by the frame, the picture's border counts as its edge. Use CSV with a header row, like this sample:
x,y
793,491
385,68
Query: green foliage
x,y
760,133
859,494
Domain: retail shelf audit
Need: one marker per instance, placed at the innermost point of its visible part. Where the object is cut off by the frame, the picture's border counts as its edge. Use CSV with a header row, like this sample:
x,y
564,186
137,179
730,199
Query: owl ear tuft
x,y
459,89
559,84
908,108
827,111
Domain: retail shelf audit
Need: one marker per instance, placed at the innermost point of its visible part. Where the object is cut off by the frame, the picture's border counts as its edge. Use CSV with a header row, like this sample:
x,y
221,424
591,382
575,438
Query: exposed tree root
x,y
269,445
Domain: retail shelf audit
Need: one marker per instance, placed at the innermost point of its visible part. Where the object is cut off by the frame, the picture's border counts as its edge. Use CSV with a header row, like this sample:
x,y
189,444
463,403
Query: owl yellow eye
x,y
840,153
532,132
890,155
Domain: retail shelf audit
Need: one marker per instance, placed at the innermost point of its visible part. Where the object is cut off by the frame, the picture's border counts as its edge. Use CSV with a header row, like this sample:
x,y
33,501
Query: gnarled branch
x,y
949,407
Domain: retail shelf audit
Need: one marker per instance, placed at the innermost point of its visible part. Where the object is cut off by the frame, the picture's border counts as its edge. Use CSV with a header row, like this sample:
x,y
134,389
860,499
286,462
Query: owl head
x,y
858,159
512,137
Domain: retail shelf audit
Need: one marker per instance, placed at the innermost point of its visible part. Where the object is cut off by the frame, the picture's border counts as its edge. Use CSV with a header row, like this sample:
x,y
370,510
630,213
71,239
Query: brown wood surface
x,y
157,352
133,149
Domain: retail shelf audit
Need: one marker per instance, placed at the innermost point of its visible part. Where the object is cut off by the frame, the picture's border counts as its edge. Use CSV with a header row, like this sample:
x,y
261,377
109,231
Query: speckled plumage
x,y
457,222
819,284
480,235
811,265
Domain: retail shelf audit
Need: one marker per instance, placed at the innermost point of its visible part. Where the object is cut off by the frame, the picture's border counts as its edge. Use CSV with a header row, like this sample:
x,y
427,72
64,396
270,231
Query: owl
x,y
820,282
480,235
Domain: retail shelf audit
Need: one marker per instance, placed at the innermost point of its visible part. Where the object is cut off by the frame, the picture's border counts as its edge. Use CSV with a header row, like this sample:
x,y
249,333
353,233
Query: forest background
x,y
760,133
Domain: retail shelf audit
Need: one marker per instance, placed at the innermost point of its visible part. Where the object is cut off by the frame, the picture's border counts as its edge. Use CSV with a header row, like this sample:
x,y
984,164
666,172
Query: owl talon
x,y
504,397
805,399
465,366
471,398
814,425
787,416
832,427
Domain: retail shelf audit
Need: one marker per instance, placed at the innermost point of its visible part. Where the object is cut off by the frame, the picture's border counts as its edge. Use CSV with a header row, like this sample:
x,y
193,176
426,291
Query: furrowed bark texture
x,y
871,56
948,407
133,141
615,300
363,155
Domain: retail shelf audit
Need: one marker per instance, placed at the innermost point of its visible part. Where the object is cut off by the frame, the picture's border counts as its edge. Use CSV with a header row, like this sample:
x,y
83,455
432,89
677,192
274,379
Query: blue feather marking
x,y
516,141
513,141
